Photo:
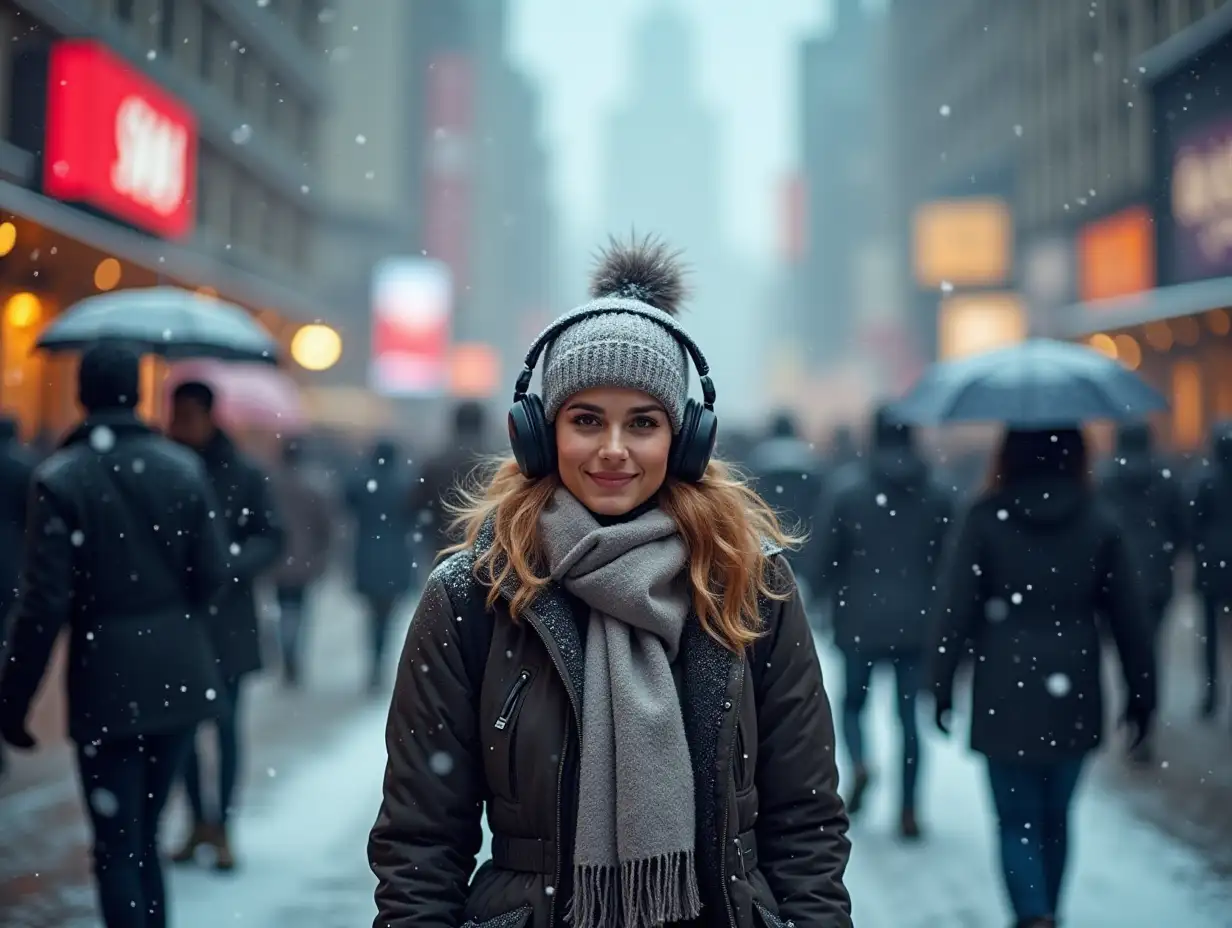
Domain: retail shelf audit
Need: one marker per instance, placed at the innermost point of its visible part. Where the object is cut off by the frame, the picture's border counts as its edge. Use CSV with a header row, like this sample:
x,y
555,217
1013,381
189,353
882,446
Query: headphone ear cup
x,y
530,438
694,445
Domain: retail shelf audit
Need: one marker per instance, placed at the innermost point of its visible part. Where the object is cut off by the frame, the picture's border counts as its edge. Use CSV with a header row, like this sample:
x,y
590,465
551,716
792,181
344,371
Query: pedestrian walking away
x,y
254,535
1034,565
623,657
1147,497
308,528
125,552
877,549
1212,547
381,501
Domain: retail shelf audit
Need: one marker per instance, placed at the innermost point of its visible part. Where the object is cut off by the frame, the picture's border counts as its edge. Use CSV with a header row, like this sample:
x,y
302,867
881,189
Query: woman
x,y
617,663
1034,565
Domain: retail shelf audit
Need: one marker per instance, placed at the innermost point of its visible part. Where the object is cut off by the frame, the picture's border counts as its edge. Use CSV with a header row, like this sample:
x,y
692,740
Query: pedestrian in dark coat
x,y
878,550
787,472
1212,544
1149,501
1037,566
16,469
444,474
649,751
381,500
254,534
124,550
308,526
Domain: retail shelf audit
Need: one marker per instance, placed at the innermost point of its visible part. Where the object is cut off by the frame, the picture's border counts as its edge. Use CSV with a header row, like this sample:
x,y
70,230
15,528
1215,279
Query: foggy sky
x,y
579,52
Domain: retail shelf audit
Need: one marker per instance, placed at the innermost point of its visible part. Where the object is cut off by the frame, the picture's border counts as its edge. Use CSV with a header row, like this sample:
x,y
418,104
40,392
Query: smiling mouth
x,y
611,481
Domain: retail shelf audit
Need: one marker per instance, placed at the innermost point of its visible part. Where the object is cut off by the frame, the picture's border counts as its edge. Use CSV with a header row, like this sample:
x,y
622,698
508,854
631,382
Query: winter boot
x,y
224,858
200,836
855,802
909,826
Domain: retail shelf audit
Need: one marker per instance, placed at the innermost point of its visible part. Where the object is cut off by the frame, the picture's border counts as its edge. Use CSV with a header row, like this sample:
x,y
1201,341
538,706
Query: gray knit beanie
x,y
620,348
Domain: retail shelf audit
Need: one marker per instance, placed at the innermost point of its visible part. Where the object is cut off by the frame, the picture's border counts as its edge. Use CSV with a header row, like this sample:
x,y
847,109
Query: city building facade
x,y
147,142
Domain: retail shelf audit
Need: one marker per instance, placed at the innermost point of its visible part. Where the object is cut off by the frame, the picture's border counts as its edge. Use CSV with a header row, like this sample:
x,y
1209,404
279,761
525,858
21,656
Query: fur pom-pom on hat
x,y
646,270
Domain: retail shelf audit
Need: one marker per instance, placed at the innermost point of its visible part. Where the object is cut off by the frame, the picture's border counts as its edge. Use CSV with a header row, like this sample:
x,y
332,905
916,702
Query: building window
x,y
166,24
124,10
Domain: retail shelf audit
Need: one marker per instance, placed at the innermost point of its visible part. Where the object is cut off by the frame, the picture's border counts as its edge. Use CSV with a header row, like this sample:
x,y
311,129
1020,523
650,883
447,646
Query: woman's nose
x,y
614,445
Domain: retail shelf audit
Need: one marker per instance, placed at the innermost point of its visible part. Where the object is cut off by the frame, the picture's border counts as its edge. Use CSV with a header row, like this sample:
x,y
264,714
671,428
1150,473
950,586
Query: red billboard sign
x,y
412,307
117,141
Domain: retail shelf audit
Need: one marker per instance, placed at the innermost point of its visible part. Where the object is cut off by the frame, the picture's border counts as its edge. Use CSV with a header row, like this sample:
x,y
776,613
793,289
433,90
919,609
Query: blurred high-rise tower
x,y
661,159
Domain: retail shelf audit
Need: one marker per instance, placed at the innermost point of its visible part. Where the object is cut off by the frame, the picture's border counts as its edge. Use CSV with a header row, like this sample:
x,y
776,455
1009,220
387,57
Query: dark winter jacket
x,y
1212,523
16,469
123,550
1030,573
307,513
254,535
436,488
1149,502
770,825
787,474
379,497
877,553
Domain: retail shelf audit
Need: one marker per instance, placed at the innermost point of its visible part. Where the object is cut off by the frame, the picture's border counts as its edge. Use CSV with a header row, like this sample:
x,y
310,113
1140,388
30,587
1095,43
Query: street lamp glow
x,y
23,310
316,347
107,274
8,238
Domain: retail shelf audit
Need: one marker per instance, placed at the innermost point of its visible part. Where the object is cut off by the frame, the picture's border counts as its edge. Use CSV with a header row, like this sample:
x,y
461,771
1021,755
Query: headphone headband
x,y
607,306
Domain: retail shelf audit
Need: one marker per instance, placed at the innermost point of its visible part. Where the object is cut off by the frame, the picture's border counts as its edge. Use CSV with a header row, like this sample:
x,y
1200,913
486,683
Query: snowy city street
x,y
314,785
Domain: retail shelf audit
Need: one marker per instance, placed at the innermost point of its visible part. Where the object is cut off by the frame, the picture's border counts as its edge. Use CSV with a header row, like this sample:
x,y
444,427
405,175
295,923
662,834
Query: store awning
x,y
190,267
1151,306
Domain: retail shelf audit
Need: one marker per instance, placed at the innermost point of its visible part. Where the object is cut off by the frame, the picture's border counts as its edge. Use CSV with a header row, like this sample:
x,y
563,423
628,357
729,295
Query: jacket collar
x,y
121,423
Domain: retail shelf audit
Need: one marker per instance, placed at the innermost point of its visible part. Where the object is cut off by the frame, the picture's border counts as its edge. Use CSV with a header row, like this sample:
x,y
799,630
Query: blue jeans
x,y
1033,803
858,674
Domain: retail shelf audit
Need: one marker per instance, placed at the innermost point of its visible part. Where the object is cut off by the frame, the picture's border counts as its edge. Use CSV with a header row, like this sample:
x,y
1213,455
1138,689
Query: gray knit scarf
x,y
633,863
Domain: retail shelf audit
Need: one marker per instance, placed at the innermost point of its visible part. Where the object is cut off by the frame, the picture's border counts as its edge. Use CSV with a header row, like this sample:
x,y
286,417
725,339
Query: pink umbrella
x,y
248,395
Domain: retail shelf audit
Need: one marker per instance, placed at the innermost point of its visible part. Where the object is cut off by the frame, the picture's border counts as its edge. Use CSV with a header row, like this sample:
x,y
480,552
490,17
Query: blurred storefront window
x,y
963,243
971,323
1117,255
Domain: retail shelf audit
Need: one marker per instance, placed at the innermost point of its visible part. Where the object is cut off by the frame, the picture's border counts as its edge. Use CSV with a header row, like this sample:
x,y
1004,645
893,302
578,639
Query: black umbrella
x,y
166,321
1038,384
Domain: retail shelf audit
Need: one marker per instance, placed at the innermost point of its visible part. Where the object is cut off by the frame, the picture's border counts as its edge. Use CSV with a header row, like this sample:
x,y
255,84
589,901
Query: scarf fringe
x,y
638,894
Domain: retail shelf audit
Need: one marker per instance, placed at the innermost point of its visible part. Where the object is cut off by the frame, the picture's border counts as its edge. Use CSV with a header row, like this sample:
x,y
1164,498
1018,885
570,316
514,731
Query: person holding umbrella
x,y
1037,568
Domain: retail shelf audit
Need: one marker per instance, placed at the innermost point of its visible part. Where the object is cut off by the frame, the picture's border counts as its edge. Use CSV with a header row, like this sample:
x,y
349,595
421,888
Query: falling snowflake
x,y
996,610
211,694
881,499
945,109
241,134
104,802
138,466
78,538
1016,599
235,548
1058,684
441,763
102,439
371,486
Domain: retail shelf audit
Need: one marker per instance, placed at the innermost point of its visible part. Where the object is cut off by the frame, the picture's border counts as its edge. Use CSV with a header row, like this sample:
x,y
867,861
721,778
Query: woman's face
x,y
612,447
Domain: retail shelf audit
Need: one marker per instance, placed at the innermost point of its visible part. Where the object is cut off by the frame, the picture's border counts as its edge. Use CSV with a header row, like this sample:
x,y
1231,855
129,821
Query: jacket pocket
x,y
507,728
769,919
515,919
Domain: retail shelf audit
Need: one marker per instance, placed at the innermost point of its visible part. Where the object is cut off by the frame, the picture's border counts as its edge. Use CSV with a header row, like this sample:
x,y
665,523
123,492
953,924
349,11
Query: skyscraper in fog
x,y
662,144
661,163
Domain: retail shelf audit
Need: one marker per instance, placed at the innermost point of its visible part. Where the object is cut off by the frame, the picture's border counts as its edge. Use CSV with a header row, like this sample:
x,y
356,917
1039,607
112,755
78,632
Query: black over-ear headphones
x,y
534,443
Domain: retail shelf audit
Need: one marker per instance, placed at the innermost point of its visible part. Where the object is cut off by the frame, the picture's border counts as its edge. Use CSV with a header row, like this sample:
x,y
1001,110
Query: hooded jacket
x,y
878,547
771,830
1033,573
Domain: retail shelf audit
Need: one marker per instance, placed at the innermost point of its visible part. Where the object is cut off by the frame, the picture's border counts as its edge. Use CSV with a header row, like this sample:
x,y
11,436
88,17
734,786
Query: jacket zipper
x,y
741,759
731,913
513,700
560,770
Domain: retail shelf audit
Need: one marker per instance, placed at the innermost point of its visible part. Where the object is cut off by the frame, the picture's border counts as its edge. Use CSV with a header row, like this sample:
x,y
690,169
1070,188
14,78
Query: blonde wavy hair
x,y
722,521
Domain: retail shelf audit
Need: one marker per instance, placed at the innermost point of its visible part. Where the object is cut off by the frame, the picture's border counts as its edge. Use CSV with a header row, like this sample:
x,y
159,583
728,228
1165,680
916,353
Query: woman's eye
x,y
645,422
586,420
